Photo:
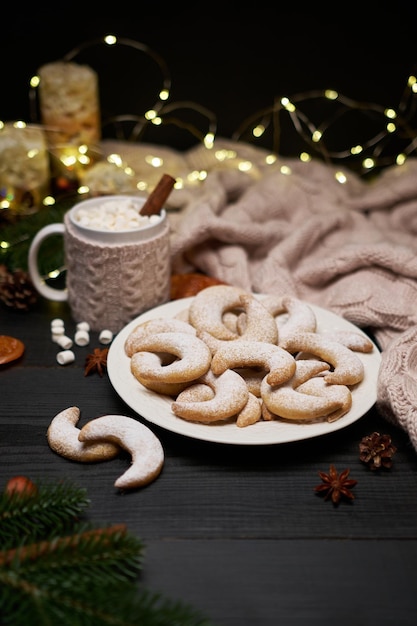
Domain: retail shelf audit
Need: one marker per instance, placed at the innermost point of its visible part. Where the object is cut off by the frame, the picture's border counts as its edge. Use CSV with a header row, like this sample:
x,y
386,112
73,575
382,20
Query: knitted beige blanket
x,y
349,247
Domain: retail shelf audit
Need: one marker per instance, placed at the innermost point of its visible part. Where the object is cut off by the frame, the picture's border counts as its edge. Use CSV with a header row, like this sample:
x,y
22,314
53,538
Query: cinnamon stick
x,y
159,195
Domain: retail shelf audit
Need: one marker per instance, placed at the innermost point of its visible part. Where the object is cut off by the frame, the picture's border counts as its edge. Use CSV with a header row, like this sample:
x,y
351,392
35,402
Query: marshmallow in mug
x,y
113,216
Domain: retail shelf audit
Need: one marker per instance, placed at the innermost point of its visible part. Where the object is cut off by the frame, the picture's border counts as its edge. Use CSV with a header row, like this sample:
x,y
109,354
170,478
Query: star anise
x,y
376,451
335,485
96,361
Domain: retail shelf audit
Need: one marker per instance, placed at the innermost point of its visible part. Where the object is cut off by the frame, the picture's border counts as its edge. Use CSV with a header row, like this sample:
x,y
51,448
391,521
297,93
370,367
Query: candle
x,y
24,168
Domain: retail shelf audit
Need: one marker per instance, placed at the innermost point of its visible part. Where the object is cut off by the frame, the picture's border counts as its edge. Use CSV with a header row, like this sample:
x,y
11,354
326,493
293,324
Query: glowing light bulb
x,y
330,94
209,141
287,104
110,40
390,113
245,166
368,163
258,131
340,177
116,159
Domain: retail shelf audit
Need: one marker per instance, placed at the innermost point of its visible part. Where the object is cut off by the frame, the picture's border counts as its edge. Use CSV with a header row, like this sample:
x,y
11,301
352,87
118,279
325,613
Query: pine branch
x,y
41,549
19,235
59,571
54,508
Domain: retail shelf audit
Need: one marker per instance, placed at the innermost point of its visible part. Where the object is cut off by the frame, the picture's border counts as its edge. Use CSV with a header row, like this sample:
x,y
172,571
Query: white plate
x,y
156,408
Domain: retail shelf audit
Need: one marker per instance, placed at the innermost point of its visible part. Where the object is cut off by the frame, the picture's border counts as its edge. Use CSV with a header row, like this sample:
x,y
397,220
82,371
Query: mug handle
x,y
58,295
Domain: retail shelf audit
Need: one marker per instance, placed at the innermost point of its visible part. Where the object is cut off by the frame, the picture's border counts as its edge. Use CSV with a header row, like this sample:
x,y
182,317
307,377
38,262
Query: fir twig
x,y
19,235
40,549
62,572
54,508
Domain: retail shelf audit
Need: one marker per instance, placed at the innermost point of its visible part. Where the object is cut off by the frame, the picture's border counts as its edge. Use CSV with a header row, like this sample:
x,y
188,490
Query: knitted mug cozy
x,y
109,285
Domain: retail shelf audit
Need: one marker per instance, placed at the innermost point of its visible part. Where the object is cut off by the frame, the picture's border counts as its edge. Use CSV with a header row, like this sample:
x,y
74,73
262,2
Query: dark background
x,y
230,59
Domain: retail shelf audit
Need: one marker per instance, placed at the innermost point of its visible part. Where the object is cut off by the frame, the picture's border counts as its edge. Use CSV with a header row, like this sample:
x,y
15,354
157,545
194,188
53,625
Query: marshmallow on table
x,y
106,336
82,338
65,357
83,326
57,323
64,342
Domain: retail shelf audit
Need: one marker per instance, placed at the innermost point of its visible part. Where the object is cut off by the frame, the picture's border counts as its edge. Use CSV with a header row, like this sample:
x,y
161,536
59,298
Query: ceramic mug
x,y
115,268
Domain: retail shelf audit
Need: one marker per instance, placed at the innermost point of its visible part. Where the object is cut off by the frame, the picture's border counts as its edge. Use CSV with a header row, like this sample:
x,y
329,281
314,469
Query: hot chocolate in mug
x,y
118,262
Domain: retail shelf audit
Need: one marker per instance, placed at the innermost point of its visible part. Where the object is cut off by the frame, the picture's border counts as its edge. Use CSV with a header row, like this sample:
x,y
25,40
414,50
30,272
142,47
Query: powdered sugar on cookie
x,y
260,366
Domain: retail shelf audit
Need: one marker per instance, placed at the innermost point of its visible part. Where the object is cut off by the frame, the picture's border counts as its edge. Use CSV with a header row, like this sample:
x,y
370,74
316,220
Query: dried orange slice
x,y
10,349
186,285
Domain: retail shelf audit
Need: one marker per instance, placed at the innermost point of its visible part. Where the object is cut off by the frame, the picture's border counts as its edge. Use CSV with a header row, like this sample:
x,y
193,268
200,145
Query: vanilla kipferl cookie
x,y
62,435
279,365
157,325
144,364
207,309
292,316
256,323
301,319
351,339
193,357
250,413
306,396
143,445
348,368
317,386
230,396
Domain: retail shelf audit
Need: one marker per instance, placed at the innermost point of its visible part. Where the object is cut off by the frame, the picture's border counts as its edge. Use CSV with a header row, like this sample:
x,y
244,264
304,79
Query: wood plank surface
x,y
236,530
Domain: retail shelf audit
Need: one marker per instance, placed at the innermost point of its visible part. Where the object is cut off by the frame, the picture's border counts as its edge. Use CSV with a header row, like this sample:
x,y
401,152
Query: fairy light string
x,y
389,135
360,137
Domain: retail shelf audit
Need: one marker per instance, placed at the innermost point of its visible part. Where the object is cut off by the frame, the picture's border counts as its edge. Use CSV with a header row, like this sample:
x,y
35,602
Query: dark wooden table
x,y
235,531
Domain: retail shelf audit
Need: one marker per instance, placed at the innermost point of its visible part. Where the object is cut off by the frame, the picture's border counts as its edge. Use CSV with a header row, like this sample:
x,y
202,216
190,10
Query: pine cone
x,y
16,289
376,451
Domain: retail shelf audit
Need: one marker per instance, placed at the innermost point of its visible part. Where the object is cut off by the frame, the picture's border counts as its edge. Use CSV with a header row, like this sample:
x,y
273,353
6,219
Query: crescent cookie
x,y
150,327
318,387
286,402
249,414
193,357
206,310
230,396
154,361
126,432
196,392
278,363
253,377
348,368
351,339
62,435
301,318
260,324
